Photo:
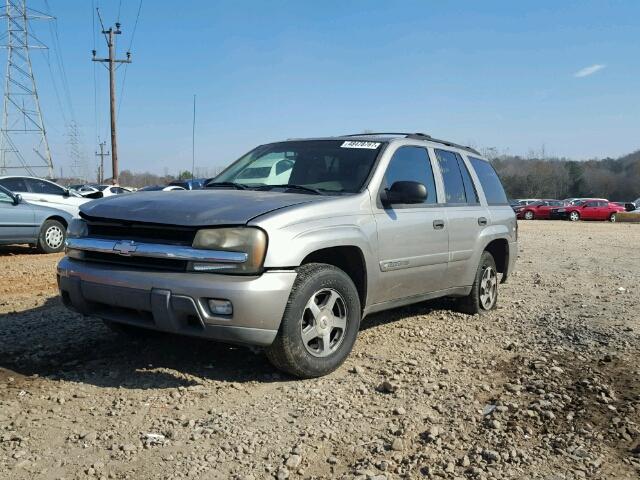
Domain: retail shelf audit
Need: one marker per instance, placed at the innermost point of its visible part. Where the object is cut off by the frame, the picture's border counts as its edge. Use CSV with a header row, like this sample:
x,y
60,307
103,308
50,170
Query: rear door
x,y
466,218
413,239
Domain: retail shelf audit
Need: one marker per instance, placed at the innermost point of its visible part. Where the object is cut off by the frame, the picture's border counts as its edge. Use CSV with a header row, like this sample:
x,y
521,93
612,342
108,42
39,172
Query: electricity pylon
x,y
23,138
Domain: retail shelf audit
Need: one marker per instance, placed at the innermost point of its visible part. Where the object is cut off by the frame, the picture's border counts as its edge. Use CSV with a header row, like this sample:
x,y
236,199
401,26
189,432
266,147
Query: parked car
x,y
193,184
23,222
628,206
159,188
99,191
590,209
361,224
538,210
39,191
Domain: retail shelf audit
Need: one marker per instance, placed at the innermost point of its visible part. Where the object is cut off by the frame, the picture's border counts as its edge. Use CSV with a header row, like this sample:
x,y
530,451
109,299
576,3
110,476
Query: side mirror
x,y
404,192
66,192
17,199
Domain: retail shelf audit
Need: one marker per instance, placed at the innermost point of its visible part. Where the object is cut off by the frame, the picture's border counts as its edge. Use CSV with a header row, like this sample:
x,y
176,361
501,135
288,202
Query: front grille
x,y
141,232
163,264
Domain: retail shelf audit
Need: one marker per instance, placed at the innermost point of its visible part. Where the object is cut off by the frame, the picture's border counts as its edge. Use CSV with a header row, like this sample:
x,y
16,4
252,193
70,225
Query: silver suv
x,y
294,243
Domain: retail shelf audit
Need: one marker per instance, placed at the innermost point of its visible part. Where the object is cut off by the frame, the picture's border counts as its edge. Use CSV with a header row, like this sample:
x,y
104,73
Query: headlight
x,y
562,210
77,228
251,241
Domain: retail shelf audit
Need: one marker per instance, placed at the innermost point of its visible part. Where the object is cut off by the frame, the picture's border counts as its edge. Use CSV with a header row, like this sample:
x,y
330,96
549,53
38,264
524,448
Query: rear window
x,y
490,182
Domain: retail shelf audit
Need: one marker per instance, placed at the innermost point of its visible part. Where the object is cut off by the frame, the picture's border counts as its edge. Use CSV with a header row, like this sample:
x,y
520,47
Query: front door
x,y
17,222
413,239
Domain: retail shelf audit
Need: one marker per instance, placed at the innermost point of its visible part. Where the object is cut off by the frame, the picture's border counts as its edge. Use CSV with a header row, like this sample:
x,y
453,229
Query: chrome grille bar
x,y
129,248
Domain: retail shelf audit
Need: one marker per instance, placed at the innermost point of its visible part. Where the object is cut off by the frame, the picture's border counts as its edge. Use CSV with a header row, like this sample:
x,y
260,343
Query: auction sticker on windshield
x,y
367,145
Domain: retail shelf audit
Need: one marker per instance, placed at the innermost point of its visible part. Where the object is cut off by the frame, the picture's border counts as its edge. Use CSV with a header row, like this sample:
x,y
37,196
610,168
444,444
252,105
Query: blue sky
x,y
506,74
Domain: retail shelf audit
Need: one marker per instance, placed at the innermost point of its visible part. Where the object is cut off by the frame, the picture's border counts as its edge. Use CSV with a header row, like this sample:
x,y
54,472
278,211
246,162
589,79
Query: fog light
x,y
220,307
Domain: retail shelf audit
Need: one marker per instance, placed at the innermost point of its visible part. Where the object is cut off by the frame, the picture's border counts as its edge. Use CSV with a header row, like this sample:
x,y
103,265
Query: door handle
x,y
438,224
482,221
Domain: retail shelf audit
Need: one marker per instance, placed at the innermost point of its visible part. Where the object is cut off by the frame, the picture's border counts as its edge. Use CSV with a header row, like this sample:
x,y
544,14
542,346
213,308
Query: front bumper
x,y
177,302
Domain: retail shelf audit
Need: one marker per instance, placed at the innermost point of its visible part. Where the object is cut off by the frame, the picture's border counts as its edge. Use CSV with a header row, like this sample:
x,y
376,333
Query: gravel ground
x,y
547,386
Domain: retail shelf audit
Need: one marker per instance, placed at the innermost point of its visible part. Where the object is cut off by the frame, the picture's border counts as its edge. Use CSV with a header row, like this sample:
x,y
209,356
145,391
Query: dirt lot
x,y
547,386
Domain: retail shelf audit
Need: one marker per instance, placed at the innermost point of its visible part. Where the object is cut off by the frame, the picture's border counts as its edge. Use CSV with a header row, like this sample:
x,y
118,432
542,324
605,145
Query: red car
x,y
590,210
538,210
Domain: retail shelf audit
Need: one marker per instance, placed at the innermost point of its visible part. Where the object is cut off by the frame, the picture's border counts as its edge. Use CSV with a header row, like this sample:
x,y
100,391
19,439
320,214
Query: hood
x,y
193,208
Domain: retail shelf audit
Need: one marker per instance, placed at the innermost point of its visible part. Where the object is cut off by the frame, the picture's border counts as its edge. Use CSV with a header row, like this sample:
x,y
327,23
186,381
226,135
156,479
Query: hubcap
x,y
574,216
613,218
488,288
528,215
54,237
324,322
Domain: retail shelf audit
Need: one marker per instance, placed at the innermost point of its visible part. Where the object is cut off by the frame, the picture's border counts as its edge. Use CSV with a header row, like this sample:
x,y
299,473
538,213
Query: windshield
x,y
328,166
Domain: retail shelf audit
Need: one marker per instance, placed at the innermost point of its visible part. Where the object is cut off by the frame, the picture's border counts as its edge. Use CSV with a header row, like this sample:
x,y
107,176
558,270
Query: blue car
x,y
23,222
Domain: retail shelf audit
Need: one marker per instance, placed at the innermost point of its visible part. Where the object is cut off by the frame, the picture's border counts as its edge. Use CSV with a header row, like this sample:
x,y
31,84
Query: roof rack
x,y
417,136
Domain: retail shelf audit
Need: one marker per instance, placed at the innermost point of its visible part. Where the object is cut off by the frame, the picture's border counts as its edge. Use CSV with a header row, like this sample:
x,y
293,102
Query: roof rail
x,y
418,136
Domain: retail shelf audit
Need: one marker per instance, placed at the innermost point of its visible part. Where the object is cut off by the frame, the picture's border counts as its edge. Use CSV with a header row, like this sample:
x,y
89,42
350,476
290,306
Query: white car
x,y
106,190
44,192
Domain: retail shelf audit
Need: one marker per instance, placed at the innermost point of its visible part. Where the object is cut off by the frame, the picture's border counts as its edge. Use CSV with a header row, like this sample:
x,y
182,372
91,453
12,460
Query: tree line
x,y
615,179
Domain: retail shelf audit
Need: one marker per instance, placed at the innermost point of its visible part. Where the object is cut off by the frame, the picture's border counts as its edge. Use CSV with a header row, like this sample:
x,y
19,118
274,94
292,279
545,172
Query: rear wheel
x,y
484,292
612,218
528,215
52,237
574,216
320,323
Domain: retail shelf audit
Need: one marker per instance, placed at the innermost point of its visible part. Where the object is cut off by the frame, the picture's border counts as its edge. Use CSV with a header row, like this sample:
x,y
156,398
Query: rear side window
x,y
412,164
490,182
14,184
458,186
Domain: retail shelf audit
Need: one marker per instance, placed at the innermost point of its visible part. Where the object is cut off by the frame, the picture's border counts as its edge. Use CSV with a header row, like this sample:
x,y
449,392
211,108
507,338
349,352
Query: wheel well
x,y
500,250
59,219
350,260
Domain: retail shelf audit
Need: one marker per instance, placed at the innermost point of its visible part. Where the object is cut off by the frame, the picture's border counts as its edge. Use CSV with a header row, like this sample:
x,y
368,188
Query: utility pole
x,y
112,61
102,154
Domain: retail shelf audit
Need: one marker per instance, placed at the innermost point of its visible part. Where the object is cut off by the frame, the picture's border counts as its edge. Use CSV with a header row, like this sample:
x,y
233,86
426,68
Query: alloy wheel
x,y
528,215
488,288
574,216
324,323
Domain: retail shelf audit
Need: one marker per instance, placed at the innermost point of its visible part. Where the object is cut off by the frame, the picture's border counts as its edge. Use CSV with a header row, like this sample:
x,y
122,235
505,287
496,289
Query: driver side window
x,y
412,164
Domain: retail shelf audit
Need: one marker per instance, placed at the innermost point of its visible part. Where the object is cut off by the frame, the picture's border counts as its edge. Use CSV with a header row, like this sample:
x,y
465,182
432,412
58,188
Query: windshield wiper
x,y
237,186
291,186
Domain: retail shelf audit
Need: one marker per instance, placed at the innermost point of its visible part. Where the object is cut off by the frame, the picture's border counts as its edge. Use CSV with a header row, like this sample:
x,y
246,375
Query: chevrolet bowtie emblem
x,y
125,248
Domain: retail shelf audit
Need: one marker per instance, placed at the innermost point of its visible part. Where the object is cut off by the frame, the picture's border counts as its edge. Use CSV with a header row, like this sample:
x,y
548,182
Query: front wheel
x,y
574,216
320,323
52,237
612,218
528,215
484,292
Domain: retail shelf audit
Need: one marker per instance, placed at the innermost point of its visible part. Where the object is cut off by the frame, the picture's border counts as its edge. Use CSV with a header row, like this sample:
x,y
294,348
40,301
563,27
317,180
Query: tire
x,y
323,306
477,302
130,331
574,216
52,237
612,218
528,215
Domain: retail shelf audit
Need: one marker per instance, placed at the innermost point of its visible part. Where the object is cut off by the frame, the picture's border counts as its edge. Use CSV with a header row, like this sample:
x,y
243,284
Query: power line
x,y
126,67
